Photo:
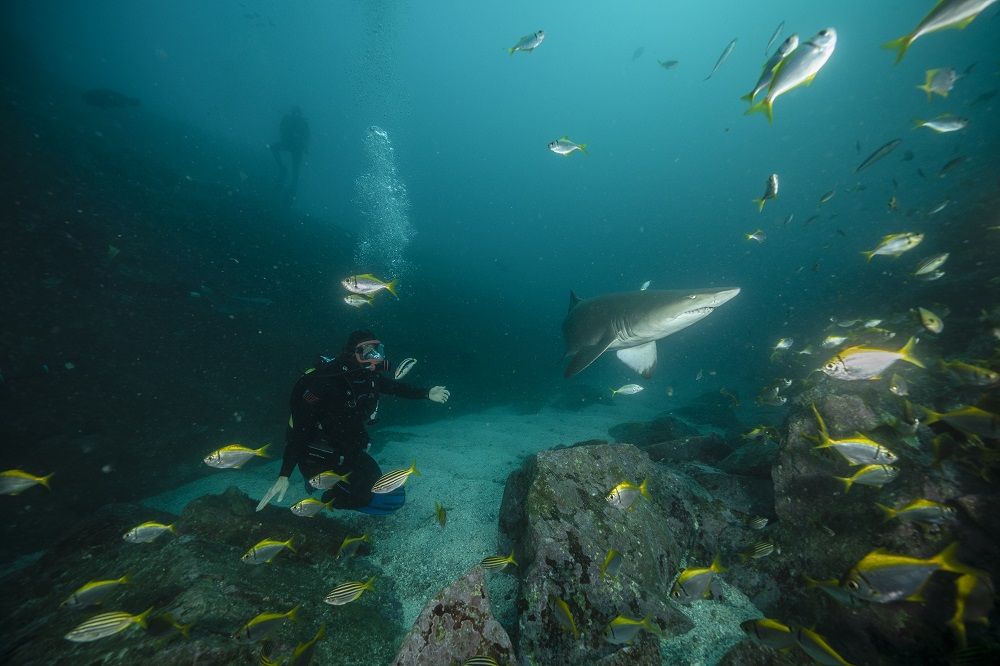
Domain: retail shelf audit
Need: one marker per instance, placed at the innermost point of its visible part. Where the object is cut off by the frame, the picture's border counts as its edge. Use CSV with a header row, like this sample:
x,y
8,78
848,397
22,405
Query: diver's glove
x,y
279,488
439,394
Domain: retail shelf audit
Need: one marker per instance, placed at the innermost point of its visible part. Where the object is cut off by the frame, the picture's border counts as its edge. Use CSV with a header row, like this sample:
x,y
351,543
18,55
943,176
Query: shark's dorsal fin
x,y
587,355
573,299
642,358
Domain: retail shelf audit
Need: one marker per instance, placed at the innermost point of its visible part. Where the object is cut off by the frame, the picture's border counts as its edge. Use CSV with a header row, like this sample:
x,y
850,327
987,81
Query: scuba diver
x,y
294,139
330,406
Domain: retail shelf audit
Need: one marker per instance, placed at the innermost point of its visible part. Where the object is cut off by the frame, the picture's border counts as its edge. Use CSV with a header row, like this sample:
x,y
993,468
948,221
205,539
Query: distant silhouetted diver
x,y
295,140
108,99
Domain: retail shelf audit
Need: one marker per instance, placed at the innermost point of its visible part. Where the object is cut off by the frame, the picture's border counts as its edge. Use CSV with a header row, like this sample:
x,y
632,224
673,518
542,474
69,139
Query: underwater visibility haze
x,y
396,332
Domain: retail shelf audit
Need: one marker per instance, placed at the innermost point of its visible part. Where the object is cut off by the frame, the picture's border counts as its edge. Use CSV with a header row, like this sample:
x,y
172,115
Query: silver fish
x,y
404,368
774,36
943,124
767,73
722,58
345,593
799,68
528,43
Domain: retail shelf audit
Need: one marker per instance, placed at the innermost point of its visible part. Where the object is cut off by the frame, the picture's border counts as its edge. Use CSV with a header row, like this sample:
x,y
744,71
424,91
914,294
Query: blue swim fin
x,y
383,504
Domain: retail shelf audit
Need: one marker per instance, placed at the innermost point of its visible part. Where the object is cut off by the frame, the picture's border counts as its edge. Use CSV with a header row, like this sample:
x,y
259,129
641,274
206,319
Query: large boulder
x,y
556,519
646,433
456,625
703,448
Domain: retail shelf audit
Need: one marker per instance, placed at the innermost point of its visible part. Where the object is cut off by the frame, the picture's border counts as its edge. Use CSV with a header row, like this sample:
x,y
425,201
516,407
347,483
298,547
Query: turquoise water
x,y
428,162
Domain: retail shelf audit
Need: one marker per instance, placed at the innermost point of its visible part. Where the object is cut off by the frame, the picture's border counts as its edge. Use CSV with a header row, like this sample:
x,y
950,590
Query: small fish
x,y
831,341
638,53
350,545
441,514
497,562
931,264
528,43
309,507
967,419
345,593
879,153
625,494
799,68
774,36
560,610
733,399
893,203
969,374
759,550
895,245
328,479
265,551
612,563
930,321
761,432
757,235
769,633
882,577
856,450
945,14
899,386
933,275
93,593
784,343
722,58
15,481
106,624
395,479
757,523
870,475
667,64
147,532
368,284
696,583
951,164
303,653
789,218
563,146
627,389
357,300
939,82
767,73
921,511
871,323
827,196
234,456
480,660
770,192
645,285
262,625
404,368
816,647
943,124
940,207
622,629
974,596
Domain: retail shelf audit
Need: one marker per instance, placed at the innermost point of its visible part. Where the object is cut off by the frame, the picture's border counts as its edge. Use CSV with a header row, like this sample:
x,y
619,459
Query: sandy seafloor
x,y
464,463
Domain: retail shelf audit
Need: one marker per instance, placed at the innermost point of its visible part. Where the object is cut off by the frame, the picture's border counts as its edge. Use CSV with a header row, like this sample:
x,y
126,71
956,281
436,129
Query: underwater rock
x,y
198,578
456,625
645,433
704,448
751,459
556,519
711,408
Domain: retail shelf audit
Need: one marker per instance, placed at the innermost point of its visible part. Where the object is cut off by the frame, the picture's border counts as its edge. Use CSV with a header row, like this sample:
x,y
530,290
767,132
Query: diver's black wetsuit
x,y
330,405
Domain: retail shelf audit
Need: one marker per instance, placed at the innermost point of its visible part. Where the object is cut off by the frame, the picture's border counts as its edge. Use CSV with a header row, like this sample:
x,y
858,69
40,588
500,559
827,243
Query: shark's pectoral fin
x,y
587,355
642,359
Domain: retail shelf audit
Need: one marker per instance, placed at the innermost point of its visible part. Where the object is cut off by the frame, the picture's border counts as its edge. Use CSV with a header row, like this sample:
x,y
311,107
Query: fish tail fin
x,y
171,528
391,287
716,565
369,584
644,488
748,98
262,451
413,468
650,626
583,149
140,619
766,106
510,558
290,546
958,626
848,482
868,254
45,481
907,353
811,582
824,435
900,46
614,392
888,511
185,629
293,614
344,478
947,559
760,205
511,50
124,580
918,123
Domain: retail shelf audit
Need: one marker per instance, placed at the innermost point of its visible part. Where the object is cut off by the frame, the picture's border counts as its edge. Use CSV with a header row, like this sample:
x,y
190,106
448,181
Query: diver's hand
x,y
439,394
279,488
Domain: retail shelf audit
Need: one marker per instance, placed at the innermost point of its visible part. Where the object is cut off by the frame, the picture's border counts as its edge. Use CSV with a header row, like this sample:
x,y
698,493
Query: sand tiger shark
x,y
631,322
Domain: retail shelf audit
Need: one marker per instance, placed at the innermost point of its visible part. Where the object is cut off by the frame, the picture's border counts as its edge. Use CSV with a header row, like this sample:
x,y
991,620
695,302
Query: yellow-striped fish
x,y
394,479
266,550
441,514
106,624
350,544
345,593
93,592
498,562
